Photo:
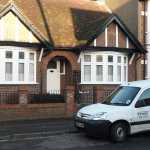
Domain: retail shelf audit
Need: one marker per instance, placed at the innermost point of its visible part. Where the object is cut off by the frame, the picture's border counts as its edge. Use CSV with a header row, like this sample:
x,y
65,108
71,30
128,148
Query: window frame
x,y
105,65
15,63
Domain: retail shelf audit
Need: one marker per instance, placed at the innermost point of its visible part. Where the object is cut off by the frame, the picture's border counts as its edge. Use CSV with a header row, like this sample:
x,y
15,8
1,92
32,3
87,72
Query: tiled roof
x,y
63,22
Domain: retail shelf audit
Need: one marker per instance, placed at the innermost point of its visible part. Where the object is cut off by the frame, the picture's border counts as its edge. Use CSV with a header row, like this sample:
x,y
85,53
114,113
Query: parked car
x,y
126,111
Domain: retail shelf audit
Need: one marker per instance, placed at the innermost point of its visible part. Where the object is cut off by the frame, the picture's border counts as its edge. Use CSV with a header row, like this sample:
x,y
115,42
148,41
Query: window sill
x,y
101,83
18,83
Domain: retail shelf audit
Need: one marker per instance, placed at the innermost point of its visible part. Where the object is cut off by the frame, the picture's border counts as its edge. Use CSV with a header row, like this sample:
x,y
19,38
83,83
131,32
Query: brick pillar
x,y
23,94
98,94
70,100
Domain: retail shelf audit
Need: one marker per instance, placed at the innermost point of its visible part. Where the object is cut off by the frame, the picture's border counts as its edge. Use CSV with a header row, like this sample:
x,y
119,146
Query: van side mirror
x,y
140,103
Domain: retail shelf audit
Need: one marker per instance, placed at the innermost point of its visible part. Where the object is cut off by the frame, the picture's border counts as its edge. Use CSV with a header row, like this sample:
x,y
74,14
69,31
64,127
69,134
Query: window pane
x,y
21,71
8,71
145,95
118,73
31,72
21,55
9,54
99,73
125,73
110,58
119,59
31,57
87,73
99,58
110,73
87,58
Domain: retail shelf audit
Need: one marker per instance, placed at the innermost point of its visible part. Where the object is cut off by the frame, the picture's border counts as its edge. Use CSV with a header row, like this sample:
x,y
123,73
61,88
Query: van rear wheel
x,y
118,132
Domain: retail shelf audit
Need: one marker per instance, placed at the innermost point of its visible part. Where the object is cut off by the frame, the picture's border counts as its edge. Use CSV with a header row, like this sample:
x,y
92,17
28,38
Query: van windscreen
x,y
123,96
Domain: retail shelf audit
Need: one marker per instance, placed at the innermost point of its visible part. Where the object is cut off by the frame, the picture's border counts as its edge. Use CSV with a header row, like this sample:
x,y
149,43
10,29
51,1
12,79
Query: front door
x,y
53,77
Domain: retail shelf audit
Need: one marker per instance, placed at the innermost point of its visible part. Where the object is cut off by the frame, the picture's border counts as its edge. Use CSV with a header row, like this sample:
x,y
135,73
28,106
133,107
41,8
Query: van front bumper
x,y
93,127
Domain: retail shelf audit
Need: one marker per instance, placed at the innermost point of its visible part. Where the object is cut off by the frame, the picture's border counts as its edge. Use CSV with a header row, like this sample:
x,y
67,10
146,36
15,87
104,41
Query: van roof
x,y
140,83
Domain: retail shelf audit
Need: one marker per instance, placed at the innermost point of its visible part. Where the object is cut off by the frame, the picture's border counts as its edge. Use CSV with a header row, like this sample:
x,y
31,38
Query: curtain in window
x,y
110,73
87,73
8,71
31,72
21,71
99,73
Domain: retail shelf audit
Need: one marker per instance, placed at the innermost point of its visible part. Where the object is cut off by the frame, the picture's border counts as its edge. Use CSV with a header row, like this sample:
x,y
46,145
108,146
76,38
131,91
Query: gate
x,y
84,94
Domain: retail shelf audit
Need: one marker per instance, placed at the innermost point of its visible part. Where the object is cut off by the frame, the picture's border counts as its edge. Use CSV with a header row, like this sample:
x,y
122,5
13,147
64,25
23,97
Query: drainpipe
x,y
144,69
40,58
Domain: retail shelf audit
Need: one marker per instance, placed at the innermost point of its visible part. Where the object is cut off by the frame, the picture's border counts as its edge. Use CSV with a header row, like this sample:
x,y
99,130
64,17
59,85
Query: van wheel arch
x,y
126,123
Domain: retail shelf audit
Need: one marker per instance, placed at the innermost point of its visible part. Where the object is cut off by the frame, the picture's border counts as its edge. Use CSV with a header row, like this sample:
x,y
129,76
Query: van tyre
x,y
118,132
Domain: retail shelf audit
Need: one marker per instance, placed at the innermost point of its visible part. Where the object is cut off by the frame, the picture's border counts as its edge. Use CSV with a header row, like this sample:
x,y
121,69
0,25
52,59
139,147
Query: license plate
x,y
80,125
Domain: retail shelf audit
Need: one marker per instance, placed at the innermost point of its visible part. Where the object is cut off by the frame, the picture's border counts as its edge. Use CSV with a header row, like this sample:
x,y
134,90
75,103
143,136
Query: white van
x,y
126,111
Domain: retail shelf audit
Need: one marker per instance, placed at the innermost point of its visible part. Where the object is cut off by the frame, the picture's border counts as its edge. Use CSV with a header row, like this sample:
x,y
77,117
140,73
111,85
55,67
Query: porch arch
x,y
70,56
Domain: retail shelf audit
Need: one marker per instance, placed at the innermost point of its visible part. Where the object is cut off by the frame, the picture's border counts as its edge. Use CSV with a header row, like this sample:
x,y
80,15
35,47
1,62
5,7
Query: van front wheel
x,y
118,132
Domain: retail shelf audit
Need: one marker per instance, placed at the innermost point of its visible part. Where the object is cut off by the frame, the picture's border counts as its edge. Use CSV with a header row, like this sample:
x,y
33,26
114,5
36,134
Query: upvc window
x,y
18,65
110,73
99,73
104,68
8,71
87,73
31,72
21,71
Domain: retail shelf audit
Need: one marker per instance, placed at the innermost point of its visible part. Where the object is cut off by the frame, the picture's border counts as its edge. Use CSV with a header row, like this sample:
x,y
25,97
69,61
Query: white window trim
x,y
117,36
15,60
95,42
105,64
127,42
106,38
64,69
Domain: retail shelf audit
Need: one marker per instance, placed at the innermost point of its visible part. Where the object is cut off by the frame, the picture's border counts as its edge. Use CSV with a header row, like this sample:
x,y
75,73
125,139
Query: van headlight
x,y
98,116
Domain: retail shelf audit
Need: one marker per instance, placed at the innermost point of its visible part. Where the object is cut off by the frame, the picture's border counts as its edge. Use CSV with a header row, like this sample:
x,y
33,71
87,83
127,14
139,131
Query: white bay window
x,y
18,65
104,68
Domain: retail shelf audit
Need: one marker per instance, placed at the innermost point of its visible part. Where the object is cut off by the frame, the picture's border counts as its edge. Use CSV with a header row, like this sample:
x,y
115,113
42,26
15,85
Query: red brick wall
x,y
101,39
141,22
111,35
32,111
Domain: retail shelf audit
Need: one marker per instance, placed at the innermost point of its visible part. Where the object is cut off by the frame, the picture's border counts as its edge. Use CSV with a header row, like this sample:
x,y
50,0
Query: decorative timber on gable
x,y
114,33
12,29
14,26
113,36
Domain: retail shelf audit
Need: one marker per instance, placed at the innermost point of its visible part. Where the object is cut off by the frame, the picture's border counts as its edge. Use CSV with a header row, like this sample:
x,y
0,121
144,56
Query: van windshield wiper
x,y
118,104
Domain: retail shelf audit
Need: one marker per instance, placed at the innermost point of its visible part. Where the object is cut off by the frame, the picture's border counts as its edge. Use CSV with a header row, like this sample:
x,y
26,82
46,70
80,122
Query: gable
x,y
12,29
113,36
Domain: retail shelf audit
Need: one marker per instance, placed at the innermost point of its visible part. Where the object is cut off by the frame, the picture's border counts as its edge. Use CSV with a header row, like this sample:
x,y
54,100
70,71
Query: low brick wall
x,y
32,111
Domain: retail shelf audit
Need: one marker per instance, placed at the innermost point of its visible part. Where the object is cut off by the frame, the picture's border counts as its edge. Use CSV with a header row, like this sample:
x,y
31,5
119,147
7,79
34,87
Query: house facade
x,y
49,48
144,31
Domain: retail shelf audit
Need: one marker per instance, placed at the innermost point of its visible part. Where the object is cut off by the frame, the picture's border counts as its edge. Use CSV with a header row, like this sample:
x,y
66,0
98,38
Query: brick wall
x,y
32,111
